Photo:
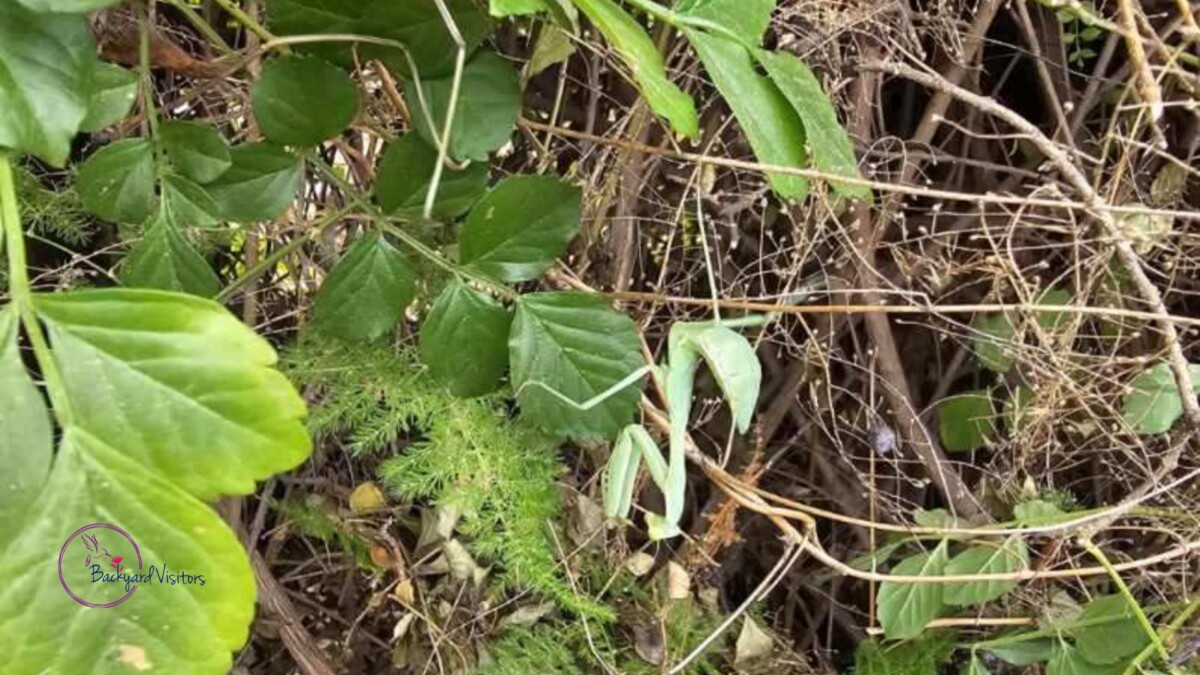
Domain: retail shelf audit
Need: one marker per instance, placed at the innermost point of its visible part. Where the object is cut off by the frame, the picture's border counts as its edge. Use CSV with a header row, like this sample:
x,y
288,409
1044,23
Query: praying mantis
x,y
730,357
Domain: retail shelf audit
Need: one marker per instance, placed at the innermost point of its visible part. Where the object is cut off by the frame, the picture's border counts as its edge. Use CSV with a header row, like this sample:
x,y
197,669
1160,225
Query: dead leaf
x,y
587,521
753,643
437,525
367,498
528,615
679,582
380,555
402,626
639,564
405,592
649,644
462,566
134,657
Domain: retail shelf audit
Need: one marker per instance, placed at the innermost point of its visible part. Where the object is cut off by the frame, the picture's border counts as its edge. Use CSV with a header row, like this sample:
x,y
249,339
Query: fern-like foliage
x,y
465,454
52,213
536,649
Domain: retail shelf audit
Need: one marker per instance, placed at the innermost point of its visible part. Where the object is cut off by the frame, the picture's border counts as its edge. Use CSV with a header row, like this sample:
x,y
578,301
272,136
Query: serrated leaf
x,y
27,444
764,114
367,291
1025,652
579,346
965,421
748,19
489,103
419,25
163,259
904,609
1011,556
117,183
187,204
198,151
464,340
301,101
1153,404
111,93
46,62
405,172
260,183
735,366
993,346
213,413
828,142
519,229
645,65
1107,631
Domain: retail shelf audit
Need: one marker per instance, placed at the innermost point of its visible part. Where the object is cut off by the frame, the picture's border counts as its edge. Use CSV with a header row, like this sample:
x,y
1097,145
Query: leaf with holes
x,y
405,173
301,101
260,183
117,183
1009,557
577,345
367,292
197,151
519,229
905,608
489,103
464,340
1153,403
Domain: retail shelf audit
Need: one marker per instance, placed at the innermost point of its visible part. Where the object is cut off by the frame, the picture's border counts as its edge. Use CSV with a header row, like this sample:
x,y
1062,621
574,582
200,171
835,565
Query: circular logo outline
x,y
63,551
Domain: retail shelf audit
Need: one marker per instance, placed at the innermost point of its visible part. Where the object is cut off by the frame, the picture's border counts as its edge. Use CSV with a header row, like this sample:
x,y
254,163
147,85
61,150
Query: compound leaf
x,y
464,340
520,228
367,291
198,151
260,183
117,183
163,259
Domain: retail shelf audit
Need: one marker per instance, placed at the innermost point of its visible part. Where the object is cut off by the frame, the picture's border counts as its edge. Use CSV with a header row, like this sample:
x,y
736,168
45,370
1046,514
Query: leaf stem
x,y
246,20
676,20
22,295
1136,608
205,28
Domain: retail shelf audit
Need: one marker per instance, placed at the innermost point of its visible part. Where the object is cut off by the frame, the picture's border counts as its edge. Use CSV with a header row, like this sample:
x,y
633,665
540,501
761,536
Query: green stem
x,y
672,18
22,294
1166,634
1155,640
246,20
147,88
203,27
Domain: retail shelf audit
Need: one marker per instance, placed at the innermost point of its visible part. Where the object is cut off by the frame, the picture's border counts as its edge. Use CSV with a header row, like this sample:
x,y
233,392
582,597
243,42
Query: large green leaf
x,y
1153,403
488,105
580,347
1108,632
731,358
46,62
317,17
302,101
187,204
518,229
828,142
419,25
27,443
367,291
1065,660
903,608
966,421
771,125
404,174
112,92
1025,652
259,185
1010,556
198,151
163,259
464,340
645,64
177,384
117,183
747,19
975,667
67,6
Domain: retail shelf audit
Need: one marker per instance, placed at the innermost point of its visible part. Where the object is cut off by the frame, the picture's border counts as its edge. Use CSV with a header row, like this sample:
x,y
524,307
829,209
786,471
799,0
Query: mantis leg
x,y
595,400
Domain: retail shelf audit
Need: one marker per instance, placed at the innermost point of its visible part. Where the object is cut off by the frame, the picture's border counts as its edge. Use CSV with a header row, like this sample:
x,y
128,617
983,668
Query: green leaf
x,y
1066,660
768,120
319,17
46,65
503,8
163,259
1025,652
975,667
464,340
404,175
748,19
1009,557
1035,512
117,183
188,204
301,101
1051,321
828,142
27,444
554,45
366,293
993,345
259,185
113,90
520,228
1108,631
645,65
1153,403
735,366
965,421
67,6
904,609
419,25
579,346
204,385
198,151
922,656
489,103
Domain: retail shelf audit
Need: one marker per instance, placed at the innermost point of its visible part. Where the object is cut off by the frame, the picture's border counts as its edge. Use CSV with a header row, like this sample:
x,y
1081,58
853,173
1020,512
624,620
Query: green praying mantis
x,y
730,357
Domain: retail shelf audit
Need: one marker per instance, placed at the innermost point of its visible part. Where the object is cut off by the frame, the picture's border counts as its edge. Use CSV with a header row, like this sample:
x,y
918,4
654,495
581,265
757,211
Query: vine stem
x,y
246,20
22,295
1167,632
1136,608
